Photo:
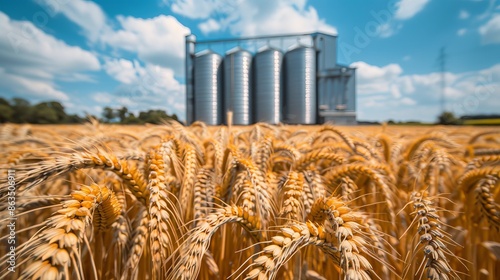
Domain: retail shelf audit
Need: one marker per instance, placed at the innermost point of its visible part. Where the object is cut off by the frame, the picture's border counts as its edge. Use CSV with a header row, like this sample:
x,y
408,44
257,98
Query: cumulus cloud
x,y
122,70
490,31
209,26
373,79
385,92
149,81
408,101
143,86
386,30
461,32
86,14
463,14
158,40
28,87
249,18
26,48
201,9
403,10
33,61
407,9
280,17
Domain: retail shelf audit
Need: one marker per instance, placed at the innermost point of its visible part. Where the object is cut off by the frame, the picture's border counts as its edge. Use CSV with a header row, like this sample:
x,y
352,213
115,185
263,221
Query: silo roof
x,y
235,50
203,52
267,48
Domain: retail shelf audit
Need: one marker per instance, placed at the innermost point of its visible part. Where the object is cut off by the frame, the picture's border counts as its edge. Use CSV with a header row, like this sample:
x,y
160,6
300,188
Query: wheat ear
x,y
57,247
198,241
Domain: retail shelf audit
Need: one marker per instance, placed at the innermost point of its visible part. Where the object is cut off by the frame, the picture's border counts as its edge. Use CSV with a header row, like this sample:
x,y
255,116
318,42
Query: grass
x,y
482,122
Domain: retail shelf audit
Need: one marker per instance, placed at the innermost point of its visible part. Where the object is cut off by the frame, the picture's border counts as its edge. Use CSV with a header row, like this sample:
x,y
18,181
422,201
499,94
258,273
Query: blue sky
x,y
131,53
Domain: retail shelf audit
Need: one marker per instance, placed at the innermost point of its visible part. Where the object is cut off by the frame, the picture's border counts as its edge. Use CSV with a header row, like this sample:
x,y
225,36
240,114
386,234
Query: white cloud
x,y
122,70
407,9
102,97
158,43
249,18
209,26
373,79
158,40
86,14
200,9
281,17
385,30
463,14
461,32
27,49
32,88
385,92
32,61
394,90
143,86
408,101
490,31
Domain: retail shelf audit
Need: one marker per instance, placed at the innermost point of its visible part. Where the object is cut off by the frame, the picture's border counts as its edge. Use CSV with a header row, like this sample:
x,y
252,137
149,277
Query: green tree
x,y
4,101
22,110
448,118
132,119
43,113
122,113
58,108
154,116
74,118
6,113
108,114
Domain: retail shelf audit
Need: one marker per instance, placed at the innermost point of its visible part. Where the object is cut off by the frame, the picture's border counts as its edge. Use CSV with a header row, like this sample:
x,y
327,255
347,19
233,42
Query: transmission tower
x,y
442,67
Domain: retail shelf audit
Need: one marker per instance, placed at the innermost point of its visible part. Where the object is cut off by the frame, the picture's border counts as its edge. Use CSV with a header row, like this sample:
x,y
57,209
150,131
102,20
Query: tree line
x,y
123,116
19,110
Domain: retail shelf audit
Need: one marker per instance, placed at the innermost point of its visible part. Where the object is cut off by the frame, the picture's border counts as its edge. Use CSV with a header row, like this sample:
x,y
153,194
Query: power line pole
x,y
442,65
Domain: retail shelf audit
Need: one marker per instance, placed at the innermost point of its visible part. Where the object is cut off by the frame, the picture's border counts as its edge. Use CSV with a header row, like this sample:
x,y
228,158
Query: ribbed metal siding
x,y
268,86
237,86
300,86
207,88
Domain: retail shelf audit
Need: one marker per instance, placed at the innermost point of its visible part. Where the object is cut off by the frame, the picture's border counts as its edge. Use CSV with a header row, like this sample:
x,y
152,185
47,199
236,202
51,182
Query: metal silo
x,y
300,86
207,88
268,85
237,85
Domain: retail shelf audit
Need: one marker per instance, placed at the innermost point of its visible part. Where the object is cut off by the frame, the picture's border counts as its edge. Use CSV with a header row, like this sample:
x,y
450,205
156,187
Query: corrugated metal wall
x,y
268,86
237,85
208,88
300,86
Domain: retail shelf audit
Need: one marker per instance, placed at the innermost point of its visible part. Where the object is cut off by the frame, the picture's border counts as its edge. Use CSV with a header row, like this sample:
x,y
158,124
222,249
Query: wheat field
x,y
99,201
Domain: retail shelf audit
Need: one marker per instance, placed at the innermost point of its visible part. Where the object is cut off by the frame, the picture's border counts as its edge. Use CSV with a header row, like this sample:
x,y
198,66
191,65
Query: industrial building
x,y
293,79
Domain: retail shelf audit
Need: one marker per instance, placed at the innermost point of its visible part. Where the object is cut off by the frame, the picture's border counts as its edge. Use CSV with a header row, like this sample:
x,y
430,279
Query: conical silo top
x,y
204,52
297,45
235,50
266,48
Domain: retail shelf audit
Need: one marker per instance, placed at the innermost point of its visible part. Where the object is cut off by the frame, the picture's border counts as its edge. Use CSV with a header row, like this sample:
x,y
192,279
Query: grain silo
x,y
238,85
208,87
292,78
300,85
268,85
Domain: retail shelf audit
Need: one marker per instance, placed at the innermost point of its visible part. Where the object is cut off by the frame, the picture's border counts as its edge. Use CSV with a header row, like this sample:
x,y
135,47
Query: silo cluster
x,y
300,83
269,86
